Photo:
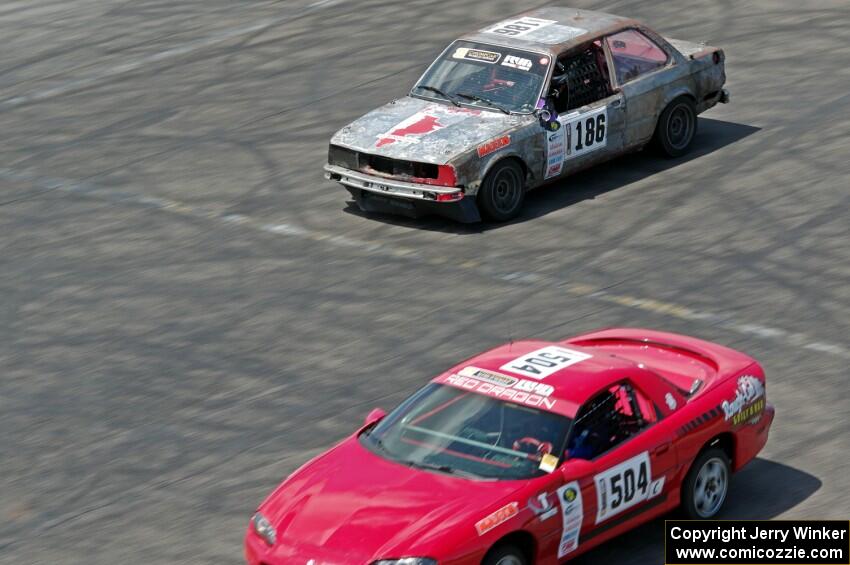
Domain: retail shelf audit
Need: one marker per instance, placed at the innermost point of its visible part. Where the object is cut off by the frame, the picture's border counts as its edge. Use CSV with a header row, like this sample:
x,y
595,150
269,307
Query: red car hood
x,y
352,506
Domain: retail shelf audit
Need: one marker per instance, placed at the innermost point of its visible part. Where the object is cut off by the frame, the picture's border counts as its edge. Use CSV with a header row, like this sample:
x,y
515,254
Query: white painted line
x,y
186,48
669,309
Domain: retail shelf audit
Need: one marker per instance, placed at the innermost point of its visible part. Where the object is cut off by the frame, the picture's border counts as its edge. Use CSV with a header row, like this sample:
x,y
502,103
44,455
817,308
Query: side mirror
x,y
548,118
374,416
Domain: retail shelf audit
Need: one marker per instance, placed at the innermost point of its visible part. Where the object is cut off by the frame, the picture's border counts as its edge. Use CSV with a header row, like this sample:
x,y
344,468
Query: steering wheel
x,y
496,83
540,447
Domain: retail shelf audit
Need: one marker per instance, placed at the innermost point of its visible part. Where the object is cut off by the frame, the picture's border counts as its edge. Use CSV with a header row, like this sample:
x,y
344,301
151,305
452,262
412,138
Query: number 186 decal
x,y
578,135
518,27
586,132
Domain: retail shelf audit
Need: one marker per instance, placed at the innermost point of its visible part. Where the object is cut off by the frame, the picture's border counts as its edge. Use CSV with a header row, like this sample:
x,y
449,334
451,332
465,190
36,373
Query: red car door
x,y
623,466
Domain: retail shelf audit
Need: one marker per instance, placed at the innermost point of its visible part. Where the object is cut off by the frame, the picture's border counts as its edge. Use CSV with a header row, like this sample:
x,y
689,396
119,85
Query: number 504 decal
x,y
586,132
624,485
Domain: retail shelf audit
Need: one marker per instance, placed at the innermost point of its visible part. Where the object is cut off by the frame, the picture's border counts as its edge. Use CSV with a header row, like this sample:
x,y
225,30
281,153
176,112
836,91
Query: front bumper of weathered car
x,y
379,194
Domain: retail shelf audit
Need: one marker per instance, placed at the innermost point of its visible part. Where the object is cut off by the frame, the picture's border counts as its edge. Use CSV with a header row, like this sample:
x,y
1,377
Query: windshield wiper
x,y
436,90
447,469
477,98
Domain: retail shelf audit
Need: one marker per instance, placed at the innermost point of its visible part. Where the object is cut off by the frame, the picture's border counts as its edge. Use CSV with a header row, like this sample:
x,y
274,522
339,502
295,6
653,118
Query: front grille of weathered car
x,y
368,163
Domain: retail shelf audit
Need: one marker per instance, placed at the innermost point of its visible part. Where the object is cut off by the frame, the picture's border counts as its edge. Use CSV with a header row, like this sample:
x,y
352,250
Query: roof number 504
x,y
543,362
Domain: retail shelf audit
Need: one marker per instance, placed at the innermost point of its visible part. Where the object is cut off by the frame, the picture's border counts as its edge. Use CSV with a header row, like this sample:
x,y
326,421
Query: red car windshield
x,y
486,76
445,429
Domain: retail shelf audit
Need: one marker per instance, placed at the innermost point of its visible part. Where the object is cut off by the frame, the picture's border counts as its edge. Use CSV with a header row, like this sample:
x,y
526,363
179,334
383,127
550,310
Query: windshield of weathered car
x,y
454,431
485,76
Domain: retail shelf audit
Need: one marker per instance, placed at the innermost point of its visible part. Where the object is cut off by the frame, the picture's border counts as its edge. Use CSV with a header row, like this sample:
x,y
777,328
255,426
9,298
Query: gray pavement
x,y
190,311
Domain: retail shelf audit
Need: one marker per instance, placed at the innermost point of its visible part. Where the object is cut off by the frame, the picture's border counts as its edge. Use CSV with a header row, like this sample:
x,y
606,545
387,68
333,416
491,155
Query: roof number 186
x,y
522,26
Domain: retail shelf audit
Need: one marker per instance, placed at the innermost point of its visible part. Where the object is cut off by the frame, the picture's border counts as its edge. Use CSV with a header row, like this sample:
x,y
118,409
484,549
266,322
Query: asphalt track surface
x,y
190,311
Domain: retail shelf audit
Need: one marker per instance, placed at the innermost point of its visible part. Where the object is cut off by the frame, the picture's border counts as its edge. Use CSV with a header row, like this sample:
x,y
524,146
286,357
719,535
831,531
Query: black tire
x,y
703,494
502,192
677,127
505,555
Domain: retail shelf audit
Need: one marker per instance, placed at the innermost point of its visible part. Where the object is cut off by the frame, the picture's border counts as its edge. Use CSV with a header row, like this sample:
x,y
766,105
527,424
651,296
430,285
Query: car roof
x,y
573,384
569,27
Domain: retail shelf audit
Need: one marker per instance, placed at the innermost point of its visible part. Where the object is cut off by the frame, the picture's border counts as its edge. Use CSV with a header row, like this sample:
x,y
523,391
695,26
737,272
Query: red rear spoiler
x,y
722,359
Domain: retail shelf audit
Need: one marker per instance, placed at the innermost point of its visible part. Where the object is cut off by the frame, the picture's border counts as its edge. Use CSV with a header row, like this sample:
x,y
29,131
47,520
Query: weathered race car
x,y
521,103
531,453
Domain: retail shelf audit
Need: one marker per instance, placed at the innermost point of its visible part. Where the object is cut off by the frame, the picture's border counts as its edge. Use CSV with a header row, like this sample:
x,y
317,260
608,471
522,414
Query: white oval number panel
x,y
541,363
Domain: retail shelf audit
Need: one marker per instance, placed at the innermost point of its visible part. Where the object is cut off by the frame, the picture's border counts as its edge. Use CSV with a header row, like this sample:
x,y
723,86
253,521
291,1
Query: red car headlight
x,y
263,528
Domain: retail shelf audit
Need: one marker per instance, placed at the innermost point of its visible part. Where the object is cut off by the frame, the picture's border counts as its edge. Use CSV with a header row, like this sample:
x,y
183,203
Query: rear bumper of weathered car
x,y
384,195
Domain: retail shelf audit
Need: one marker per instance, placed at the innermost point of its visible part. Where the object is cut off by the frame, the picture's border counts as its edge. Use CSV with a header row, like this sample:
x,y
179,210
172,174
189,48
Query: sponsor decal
x,y
500,516
748,404
423,123
671,402
529,393
543,362
656,487
477,55
569,497
623,486
542,506
518,27
507,381
489,376
493,145
516,62
555,144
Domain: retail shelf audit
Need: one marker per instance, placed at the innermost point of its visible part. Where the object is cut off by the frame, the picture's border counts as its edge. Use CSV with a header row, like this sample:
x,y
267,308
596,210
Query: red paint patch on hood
x,y
425,124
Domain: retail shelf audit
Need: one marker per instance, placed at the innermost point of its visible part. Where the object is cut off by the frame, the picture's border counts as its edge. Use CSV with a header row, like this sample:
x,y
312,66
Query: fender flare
x,y
498,158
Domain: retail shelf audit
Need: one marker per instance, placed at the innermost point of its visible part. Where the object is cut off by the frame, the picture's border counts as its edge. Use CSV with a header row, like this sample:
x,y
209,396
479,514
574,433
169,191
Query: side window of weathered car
x,y
634,55
580,78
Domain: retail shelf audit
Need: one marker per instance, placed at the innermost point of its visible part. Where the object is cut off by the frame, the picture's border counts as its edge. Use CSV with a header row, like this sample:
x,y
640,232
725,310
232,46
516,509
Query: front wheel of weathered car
x,y
502,192
676,127
707,484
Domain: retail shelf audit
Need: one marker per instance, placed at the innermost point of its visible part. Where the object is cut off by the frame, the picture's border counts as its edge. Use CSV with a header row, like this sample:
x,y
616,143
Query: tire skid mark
x,y
726,320
185,49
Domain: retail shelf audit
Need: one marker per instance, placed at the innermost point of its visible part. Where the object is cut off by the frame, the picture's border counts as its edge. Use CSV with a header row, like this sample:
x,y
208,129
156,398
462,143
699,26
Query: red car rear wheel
x,y
706,485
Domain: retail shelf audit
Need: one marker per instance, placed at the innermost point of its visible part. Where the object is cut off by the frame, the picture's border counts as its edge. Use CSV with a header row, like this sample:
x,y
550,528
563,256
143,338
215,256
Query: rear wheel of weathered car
x,y
502,192
707,484
505,555
676,127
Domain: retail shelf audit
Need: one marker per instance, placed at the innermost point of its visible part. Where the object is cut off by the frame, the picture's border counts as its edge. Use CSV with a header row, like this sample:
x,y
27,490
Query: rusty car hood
x,y
426,131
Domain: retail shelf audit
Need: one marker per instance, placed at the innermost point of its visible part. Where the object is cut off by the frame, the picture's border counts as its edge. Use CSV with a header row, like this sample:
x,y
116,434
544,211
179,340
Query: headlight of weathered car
x,y
406,561
263,528
342,157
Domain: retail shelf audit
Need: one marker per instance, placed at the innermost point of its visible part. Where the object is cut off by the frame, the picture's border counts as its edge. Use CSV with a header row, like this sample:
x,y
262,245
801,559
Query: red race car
x,y
533,452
